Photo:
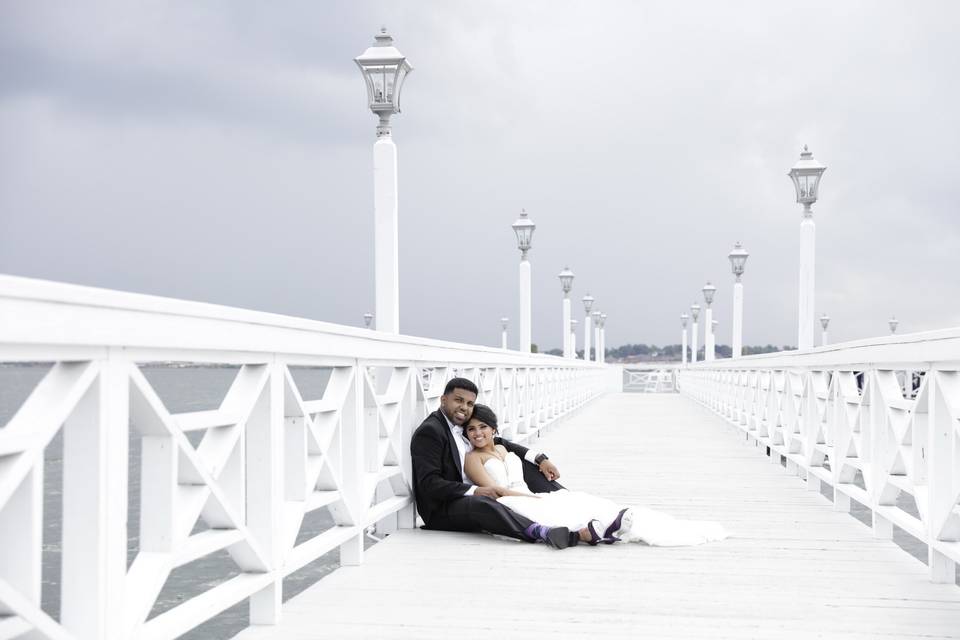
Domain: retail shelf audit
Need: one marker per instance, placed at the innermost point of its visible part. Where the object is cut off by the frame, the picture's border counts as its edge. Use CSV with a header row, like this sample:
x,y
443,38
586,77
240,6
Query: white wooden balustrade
x,y
878,420
652,378
267,456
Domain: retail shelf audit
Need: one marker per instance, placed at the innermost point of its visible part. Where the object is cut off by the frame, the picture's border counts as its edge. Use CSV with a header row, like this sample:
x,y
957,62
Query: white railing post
x,y
94,551
410,419
353,467
879,453
943,396
264,490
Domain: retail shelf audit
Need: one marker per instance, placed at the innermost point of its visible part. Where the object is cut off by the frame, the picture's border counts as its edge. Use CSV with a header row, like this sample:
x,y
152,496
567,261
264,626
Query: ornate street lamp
x,y
824,322
384,69
708,339
892,323
683,353
694,330
738,258
566,283
806,176
367,319
503,334
587,329
524,229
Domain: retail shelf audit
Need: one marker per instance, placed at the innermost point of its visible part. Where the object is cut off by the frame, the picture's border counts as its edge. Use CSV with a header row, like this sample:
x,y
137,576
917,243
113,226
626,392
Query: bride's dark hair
x,y
484,414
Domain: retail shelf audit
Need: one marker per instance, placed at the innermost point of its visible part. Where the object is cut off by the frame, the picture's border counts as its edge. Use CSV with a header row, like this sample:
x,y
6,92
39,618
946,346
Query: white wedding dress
x,y
574,509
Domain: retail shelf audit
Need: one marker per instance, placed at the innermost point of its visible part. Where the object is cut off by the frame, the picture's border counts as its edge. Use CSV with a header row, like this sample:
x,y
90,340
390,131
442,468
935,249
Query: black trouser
x,y
479,513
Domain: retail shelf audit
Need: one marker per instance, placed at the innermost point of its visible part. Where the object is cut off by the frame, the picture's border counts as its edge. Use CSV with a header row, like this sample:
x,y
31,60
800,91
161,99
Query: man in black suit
x,y
447,502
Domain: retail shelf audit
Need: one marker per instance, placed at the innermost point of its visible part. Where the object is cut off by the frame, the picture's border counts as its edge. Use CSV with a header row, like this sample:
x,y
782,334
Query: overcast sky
x,y
221,151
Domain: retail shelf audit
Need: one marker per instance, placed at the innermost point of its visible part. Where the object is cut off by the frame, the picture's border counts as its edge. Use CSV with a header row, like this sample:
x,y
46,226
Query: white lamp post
x,y
683,353
367,319
708,340
596,336
587,305
603,337
713,336
694,330
806,180
384,70
892,323
503,333
524,229
566,283
824,322
738,258
573,338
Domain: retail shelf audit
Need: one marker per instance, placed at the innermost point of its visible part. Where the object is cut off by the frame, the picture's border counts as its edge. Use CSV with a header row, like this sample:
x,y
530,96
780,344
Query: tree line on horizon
x,y
643,352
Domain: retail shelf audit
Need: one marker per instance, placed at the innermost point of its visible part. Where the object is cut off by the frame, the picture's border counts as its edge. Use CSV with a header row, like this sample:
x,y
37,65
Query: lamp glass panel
x,y
808,186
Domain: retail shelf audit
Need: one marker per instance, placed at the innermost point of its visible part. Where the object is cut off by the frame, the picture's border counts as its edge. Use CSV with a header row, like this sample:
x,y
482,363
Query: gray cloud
x,y
221,152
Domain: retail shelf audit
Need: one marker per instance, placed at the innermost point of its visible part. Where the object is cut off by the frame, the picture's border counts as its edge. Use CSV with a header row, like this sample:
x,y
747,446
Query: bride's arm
x,y
473,465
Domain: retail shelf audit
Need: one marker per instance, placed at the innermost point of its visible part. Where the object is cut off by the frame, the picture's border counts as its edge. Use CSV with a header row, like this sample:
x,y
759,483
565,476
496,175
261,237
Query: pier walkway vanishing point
x,y
793,568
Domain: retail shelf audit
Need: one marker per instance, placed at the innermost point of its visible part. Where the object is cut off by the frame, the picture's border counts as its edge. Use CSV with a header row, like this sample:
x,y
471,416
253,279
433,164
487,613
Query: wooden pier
x,y
793,568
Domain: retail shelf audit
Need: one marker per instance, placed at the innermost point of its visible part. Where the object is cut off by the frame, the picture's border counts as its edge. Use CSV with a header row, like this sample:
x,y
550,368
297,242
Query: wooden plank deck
x,y
793,569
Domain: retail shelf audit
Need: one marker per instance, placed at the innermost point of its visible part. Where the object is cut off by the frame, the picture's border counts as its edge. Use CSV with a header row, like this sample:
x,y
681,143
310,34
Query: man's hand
x,y
490,492
549,470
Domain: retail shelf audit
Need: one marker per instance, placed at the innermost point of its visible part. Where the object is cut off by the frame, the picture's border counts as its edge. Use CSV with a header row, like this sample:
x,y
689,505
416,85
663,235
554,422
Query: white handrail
x,y
874,419
267,456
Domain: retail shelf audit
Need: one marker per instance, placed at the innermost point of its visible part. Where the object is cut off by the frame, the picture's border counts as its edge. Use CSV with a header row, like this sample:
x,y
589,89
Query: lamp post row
x,y
805,174
524,228
384,70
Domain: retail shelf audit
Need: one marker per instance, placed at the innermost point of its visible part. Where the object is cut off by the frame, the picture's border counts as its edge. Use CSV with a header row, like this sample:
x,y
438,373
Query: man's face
x,y
458,405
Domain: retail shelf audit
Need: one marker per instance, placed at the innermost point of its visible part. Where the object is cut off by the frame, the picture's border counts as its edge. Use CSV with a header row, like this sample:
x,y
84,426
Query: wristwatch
x,y
540,458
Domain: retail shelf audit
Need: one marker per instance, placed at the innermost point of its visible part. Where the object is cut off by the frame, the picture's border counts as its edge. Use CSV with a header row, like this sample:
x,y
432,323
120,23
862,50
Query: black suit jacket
x,y
437,475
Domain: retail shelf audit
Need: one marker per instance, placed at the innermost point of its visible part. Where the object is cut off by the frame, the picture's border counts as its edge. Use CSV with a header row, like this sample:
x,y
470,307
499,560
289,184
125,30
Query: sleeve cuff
x,y
471,490
531,456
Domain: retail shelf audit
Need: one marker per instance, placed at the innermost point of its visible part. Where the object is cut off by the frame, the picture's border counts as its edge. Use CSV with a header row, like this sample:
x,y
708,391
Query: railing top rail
x,y
40,312
911,349
651,366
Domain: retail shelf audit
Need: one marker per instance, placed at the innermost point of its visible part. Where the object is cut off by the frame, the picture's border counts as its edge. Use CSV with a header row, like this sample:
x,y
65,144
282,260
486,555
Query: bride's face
x,y
480,434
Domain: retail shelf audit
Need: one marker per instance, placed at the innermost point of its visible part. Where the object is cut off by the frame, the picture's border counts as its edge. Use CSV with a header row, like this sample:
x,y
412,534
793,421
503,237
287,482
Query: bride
x,y
598,519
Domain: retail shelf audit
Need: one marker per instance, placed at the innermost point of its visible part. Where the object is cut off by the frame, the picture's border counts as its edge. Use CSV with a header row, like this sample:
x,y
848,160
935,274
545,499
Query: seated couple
x,y
465,478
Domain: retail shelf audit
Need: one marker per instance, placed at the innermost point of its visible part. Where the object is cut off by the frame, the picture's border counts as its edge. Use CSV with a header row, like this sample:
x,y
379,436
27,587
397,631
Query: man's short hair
x,y
460,383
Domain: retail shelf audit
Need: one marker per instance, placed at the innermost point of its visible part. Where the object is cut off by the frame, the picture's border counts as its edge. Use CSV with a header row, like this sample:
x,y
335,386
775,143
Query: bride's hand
x,y
490,492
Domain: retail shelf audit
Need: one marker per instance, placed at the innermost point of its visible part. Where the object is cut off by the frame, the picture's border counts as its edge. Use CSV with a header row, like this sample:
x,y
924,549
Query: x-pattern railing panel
x,y
650,379
882,430
239,479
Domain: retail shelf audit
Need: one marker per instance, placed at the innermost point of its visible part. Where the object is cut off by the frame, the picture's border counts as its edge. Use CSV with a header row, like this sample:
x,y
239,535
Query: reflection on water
x,y
181,389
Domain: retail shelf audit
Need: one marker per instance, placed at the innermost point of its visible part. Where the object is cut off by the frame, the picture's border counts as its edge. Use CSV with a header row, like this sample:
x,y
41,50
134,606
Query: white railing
x,y
240,477
653,378
874,419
